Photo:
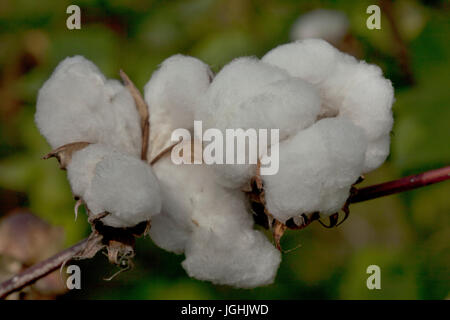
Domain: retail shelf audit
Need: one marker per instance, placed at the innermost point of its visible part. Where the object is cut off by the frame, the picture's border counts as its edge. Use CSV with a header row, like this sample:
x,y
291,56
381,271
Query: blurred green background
x,y
407,235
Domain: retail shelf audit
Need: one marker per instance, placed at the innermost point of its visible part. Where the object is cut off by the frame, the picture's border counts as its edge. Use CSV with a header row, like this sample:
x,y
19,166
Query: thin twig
x,y
43,268
39,270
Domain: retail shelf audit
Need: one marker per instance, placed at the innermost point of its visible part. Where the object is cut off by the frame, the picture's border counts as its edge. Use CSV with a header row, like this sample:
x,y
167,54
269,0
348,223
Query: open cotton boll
x,y
330,25
192,198
249,94
172,95
243,258
312,60
209,223
80,170
238,81
377,152
348,88
110,181
126,188
77,103
360,93
317,168
288,105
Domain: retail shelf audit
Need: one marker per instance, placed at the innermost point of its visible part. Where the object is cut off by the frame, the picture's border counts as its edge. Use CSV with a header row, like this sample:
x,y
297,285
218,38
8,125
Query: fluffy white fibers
x,y
317,168
211,225
113,182
77,103
349,88
172,94
250,94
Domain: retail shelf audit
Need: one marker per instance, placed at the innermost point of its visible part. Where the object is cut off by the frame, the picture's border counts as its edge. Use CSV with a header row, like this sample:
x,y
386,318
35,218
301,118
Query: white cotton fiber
x,y
113,182
312,60
330,25
243,259
191,196
172,95
238,81
348,88
77,103
80,170
250,94
317,168
212,226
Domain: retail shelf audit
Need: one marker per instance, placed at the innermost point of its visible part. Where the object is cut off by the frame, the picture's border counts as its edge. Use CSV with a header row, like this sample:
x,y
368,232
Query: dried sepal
x,y
302,221
278,229
64,153
163,152
142,109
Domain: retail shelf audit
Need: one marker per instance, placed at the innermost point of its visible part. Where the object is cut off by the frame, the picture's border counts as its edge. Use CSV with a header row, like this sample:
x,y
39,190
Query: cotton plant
x,y
334,118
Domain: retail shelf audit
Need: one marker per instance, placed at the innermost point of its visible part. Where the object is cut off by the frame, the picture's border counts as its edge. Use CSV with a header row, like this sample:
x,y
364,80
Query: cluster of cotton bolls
x,y
207,222
333,112
334,119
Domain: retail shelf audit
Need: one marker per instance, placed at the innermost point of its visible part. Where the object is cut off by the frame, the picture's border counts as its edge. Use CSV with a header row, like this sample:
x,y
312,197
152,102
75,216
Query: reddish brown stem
x,y
401,185
42,269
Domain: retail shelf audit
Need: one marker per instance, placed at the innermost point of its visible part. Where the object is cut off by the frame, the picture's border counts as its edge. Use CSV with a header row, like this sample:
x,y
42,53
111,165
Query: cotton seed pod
x,y
317,168
250,94
109,181
349,88
77,103
172,95
212,227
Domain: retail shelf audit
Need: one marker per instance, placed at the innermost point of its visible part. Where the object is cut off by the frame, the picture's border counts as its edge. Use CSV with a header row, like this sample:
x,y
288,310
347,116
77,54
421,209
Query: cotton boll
x,y
243,259
360,93
330,25
288,105
169,234
212,226
125,133
238,81
348,88
172,96
200,203
234,176
77,103
80,170
317,168
312,60
126,188
248,94
180,185
377,152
